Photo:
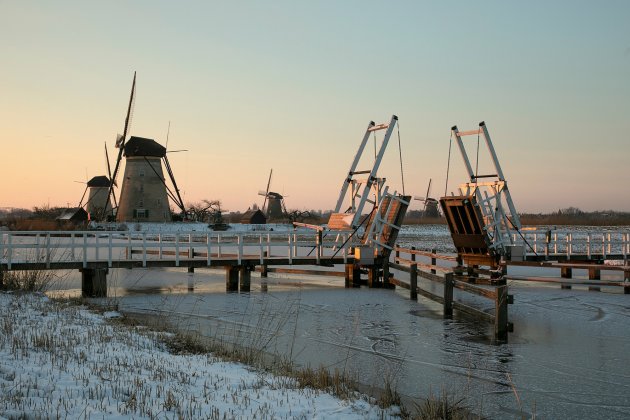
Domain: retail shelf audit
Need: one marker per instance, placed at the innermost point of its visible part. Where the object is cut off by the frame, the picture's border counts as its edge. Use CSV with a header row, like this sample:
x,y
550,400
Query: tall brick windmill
x,y
144,196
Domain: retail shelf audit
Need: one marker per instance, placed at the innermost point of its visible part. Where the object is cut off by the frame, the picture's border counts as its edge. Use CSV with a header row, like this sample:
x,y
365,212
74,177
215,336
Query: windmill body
x,y
143,196
98,195
275,206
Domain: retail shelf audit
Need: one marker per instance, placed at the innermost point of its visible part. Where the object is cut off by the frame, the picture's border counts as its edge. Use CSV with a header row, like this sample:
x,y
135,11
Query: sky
x,y
249,86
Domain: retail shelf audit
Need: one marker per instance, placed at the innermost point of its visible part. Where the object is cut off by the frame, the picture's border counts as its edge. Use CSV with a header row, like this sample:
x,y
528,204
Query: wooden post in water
x,y
413,282
264,274
433,261
386,283
501,314
594,274
372,276
626,282
352,276
94,282
566,273
448,295
245,278
231,279
191,279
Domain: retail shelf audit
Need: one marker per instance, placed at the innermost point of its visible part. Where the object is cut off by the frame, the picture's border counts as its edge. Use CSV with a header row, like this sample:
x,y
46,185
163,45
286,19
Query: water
x,y
567,356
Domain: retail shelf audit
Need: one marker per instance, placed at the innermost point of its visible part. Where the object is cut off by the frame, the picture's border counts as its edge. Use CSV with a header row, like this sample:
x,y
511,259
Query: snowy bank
x,y
60,360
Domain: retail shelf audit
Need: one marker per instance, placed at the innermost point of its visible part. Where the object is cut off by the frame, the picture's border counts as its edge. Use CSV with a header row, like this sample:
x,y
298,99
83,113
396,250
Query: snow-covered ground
x,y
58,360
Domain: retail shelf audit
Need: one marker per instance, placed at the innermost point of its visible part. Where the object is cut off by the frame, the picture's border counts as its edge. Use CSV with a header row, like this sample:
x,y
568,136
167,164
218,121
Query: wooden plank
x,y
479,291
423,265
426,254
555,280
301,271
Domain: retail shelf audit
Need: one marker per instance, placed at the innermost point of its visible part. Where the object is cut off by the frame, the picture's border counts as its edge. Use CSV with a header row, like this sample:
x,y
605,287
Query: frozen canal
x,y
567,357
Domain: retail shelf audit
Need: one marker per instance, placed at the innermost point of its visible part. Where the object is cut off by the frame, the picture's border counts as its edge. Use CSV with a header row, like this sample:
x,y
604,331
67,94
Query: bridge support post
x,y
626,282
594,274
501,314
191,279
566,273
263,268
433,261
245,278
353,276
231,279
372,276
94,282
386,283
448,295
264,273
1,278
413,282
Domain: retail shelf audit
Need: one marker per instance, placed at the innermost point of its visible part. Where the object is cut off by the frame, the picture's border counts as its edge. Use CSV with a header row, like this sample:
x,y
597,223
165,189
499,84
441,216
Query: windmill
x,y
273,205
97,189
430,204
144,193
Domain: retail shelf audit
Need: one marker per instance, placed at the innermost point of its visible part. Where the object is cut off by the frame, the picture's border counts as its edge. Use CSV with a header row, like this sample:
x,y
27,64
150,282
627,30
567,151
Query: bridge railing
x,y
49,247
566,243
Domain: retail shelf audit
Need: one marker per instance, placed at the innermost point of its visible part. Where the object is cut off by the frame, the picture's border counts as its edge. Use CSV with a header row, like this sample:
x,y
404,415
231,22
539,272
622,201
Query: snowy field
x,y
58,360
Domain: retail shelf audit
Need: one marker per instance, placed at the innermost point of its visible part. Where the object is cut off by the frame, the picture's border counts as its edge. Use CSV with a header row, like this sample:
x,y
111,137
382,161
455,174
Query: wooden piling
x,y
413,282
448,295
386,277
191,279
501,314
372,276
231,279
94,282
352,276
566,273
245,278
594,274
626,280
433,261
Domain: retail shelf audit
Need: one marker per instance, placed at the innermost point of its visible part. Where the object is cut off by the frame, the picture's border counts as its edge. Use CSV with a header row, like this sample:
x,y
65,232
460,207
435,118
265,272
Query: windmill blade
x,y
267,192
83,196
261,192
428,189
168,131
109,169
120,143
176,151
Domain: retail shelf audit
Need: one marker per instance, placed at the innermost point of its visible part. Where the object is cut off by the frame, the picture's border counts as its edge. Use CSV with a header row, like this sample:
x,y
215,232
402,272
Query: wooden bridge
x,y
95,252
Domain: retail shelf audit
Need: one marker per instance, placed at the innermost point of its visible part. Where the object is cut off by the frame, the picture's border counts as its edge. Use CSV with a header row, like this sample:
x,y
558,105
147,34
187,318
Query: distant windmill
x,y
97,189
144,194
430,204
273,205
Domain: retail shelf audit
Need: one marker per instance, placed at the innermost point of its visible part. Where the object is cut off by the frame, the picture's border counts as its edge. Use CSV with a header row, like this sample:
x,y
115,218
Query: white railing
x,y
50,247
567,243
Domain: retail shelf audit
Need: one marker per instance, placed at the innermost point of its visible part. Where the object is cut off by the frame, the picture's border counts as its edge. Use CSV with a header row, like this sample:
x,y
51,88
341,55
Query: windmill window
x,y
142,188
141,203
158,201
140,213
141,171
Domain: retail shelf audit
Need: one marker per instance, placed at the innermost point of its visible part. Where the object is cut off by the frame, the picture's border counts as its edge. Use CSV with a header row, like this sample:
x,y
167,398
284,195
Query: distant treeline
x,y
42,218
575,216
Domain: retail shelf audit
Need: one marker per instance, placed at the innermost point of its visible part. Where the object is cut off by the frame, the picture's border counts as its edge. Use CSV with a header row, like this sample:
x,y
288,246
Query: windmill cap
x,y
99,181
139,146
